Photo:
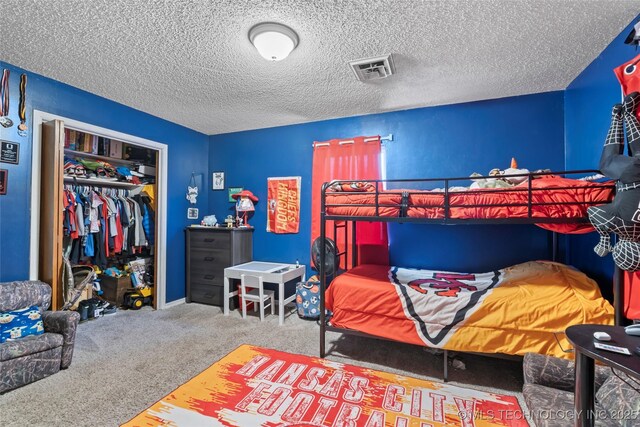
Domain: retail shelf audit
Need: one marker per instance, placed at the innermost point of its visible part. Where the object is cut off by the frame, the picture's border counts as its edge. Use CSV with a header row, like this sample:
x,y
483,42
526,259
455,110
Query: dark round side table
x,y
581,336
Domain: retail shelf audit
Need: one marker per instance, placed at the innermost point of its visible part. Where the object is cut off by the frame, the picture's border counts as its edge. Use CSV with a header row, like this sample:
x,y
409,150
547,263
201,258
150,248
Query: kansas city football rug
x,y
254,386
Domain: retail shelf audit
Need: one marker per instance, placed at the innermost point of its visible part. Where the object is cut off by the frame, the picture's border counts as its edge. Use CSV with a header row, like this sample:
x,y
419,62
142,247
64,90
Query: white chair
x,y
258,295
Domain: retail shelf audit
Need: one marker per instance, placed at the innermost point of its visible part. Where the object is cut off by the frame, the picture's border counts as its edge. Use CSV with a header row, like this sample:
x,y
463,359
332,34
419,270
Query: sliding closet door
x,y
51,207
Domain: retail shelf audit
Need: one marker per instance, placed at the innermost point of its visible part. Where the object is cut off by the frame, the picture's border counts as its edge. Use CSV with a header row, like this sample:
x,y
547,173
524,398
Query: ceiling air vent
x,y
373,68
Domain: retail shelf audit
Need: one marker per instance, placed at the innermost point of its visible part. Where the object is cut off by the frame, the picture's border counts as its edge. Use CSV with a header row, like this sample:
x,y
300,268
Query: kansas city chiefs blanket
x,y
514,310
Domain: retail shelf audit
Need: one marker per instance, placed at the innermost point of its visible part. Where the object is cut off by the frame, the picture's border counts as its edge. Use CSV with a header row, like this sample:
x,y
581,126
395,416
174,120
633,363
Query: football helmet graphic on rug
x,y
622,216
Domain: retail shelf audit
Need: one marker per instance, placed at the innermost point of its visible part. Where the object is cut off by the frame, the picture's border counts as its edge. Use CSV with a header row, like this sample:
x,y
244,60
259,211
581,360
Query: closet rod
x,y
100,187
69,186
100,182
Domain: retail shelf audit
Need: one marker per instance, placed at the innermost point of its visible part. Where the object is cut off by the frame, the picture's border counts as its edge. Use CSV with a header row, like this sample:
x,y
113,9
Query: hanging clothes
x,y
150,190
99,224
148,218
125,220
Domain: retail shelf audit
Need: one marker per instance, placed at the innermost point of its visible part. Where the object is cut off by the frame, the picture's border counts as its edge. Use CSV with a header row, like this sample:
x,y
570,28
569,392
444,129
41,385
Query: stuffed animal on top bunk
x,y
500,178
622,216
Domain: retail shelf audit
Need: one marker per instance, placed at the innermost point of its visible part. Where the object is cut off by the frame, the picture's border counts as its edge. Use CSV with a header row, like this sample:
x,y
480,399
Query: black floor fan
x,y
331,257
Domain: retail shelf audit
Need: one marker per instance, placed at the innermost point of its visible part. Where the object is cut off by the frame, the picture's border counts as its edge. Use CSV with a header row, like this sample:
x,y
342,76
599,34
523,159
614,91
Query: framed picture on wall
x,y
192,213
9,152
232,191
4,177
218,181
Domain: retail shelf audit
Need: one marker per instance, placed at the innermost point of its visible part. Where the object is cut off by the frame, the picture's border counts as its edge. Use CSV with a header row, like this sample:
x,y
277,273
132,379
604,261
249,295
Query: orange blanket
x,y
513,311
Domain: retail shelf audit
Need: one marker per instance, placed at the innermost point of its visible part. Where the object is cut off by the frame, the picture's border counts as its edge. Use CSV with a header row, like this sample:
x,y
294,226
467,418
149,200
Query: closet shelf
x,y
107,159
101,182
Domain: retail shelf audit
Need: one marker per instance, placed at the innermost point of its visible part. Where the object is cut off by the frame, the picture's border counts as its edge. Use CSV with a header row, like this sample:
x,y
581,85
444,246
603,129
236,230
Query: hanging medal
x,y
22,108
5,121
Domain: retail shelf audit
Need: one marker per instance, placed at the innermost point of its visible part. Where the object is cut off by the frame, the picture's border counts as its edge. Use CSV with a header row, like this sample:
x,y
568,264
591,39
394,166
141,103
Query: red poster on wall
x,y
283,213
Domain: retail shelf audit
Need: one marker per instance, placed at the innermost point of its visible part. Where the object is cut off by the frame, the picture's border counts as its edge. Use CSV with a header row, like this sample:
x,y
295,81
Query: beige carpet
x,y
126,362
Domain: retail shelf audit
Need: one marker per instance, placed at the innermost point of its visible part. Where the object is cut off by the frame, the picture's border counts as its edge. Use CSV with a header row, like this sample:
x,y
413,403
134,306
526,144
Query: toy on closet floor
x,y
141,271
135,299
622,216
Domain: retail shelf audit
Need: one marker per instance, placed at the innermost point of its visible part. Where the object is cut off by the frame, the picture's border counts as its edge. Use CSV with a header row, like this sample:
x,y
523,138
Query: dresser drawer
x,y
210,257
213,295
207,294
209,276
209,240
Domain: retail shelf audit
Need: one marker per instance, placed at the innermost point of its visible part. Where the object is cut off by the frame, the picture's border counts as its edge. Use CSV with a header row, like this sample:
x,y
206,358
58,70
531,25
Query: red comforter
x,y
551,197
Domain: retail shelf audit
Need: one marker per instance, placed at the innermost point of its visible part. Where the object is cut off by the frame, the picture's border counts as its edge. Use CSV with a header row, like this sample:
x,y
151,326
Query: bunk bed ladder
x,y
404,204
345,252
322,272
354,247
447,206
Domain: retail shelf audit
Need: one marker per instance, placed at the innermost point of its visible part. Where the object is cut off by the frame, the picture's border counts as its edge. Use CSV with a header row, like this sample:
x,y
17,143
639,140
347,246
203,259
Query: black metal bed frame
x,y
342,221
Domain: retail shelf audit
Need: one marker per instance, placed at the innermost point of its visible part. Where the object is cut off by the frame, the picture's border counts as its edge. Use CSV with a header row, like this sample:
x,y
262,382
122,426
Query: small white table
x,y
271,272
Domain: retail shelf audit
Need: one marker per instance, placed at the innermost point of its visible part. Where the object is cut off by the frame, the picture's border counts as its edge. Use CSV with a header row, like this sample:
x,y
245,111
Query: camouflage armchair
x,y
35,357
548,393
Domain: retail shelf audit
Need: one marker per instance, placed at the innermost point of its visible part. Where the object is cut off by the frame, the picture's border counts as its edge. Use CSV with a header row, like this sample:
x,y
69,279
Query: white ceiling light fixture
x,y
273,41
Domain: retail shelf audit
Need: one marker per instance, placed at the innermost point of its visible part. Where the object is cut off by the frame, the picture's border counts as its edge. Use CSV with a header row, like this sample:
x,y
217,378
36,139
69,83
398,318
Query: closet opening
x,y
109,215
99,200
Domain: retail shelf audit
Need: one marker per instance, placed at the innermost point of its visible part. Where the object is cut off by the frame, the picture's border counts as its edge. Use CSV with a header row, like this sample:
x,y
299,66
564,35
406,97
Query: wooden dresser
x,y
209,252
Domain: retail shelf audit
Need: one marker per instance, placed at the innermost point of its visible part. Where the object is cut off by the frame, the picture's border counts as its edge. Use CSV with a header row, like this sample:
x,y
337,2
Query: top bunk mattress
x,y
549,197
512,311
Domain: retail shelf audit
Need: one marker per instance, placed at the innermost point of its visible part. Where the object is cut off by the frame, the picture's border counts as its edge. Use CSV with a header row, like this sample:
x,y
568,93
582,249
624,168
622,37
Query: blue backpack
x,y
308,298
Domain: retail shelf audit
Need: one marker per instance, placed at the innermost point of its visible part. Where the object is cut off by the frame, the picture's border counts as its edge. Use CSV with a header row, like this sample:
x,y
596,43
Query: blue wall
x,y
452,140
588,102
555,130
187,153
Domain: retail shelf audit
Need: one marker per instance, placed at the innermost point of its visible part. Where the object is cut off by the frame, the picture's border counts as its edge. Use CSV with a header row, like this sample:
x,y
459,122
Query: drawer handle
x,y
209,276
209,240
209,258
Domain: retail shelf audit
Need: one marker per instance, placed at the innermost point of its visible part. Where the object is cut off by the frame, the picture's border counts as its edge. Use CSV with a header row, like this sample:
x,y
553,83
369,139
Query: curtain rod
x,y
350,141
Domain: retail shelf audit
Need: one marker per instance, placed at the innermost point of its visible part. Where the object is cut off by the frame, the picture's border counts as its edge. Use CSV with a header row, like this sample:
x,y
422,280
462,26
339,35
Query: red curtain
x,y
631,295
356,158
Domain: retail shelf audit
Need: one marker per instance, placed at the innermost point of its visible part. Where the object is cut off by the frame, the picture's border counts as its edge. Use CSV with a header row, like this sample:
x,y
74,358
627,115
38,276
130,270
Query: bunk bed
x,y
408,305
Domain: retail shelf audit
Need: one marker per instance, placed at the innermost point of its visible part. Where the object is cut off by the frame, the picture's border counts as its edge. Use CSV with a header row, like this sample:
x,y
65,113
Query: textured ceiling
x,y
191,61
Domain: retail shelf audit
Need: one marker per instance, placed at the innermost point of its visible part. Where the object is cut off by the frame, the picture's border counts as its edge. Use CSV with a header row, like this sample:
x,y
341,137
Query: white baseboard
x,y
174,303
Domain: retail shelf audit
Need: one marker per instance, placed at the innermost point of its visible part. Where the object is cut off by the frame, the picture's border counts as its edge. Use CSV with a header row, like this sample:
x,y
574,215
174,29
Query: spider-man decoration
x,y
622,216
